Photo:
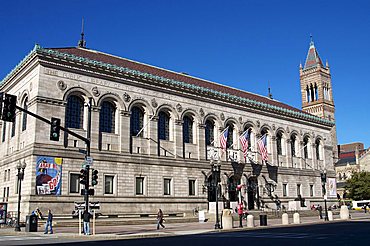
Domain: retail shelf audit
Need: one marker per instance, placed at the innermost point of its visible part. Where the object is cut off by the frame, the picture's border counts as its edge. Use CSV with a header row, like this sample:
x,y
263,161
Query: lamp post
x,y
215,167
323,183
20,175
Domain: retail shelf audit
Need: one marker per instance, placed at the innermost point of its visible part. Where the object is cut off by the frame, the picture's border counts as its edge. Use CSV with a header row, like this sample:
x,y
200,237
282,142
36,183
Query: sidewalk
x,y
172,229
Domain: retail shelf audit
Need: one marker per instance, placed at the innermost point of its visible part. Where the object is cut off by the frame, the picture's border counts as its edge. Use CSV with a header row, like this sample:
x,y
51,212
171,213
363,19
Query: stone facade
x,y
46,78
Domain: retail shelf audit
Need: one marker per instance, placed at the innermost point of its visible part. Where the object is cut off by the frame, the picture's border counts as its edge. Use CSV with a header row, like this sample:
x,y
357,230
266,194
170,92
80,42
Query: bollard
x,y
344,212
285,219
250,221
227,219
330,215
296,219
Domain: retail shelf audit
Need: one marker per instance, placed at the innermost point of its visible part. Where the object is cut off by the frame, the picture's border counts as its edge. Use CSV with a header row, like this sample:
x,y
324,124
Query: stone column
x,y
314,159
289,158
274,151
178,147
201,136
258,154
94,143
125,131
302,160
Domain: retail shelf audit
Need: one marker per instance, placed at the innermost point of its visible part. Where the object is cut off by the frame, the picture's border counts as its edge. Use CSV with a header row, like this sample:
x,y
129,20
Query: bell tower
x,y
316,87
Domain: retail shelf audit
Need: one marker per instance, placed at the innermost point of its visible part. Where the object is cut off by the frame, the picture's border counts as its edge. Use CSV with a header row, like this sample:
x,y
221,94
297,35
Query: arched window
x,y
164,126
279,137
107,117
210,132
24,116
13,128
230,136
308,94
292,145
305,147
4,132
316,94
136,121
188,129
312,93
74,112
317,146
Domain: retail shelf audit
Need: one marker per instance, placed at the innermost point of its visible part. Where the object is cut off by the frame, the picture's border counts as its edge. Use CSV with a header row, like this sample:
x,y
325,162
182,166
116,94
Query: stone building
x,y
353,157
155,133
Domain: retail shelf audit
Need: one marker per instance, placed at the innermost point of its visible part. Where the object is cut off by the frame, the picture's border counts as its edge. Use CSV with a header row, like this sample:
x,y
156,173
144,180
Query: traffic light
x,y
55,129
94,179
83,176
9,106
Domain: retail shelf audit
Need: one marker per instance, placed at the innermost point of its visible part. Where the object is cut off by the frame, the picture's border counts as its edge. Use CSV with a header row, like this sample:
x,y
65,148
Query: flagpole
x,y
145,125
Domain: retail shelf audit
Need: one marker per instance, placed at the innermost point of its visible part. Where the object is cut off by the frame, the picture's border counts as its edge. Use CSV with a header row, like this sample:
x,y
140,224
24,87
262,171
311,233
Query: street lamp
x,y
20,167
323,183
215,167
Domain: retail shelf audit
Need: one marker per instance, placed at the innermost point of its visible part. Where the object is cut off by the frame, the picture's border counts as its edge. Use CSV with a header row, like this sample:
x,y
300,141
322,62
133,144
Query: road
x,y
338,233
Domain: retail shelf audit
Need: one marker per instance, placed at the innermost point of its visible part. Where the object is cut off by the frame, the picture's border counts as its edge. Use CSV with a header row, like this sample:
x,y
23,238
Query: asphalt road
x,y
340,233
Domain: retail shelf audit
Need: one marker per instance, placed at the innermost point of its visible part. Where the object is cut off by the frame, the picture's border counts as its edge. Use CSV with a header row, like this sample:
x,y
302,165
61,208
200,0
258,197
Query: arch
x,y
213,117
85,94
168,108
143,103
191,112
112,97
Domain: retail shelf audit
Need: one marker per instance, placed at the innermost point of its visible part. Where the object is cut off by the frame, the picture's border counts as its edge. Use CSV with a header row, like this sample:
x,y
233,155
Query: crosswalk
x,y
267,235
23,238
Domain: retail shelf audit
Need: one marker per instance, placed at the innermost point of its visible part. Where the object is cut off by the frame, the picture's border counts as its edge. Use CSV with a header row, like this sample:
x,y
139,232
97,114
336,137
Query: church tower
x,y
316,88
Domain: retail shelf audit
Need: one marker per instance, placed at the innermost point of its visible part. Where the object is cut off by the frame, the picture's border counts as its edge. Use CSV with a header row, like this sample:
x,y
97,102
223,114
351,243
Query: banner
x,y
3,212
332,187
48,175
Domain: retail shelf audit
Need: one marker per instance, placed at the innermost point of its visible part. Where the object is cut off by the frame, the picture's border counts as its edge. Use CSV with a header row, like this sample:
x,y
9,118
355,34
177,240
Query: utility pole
x,y
86,195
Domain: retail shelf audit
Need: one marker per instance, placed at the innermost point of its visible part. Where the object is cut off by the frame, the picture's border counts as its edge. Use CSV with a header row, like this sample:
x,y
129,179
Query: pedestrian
x,y
240,213
38,213
160,219
49,222
86,219
319,208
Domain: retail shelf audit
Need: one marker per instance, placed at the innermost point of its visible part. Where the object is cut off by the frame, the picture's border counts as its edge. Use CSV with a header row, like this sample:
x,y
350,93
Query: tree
x,y
358,186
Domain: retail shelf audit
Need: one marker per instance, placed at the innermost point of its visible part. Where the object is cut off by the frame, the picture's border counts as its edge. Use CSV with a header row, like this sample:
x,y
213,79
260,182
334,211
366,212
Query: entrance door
x,y
252,192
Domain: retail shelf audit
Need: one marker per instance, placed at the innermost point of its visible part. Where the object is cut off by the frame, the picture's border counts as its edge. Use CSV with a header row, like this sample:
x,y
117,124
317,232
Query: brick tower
x,y
316,90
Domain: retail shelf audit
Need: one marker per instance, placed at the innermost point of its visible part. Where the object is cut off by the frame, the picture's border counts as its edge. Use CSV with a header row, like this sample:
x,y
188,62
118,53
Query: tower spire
x,y
313,59
82,42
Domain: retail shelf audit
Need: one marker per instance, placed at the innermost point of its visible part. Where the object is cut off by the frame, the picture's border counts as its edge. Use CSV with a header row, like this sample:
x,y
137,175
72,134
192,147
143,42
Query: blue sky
x,y
243,44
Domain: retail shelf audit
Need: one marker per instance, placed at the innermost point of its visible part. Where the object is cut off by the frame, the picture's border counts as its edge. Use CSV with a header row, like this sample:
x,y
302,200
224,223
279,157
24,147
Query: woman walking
x,y
160,219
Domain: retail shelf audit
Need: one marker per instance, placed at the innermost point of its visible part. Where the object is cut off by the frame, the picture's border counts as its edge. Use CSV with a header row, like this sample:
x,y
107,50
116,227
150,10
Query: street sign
x,y
89,160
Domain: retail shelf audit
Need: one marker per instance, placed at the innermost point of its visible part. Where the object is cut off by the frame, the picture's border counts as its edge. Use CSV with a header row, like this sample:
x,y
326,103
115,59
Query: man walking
x,y
49,222
86,219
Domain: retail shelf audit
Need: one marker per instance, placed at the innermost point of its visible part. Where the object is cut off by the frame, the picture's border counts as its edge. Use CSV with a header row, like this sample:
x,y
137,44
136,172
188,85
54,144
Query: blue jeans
x,y
48,223
87,228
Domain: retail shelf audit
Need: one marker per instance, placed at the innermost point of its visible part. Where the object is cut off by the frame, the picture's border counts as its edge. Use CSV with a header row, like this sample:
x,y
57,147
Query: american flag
x,y
262,147
223,138
244,138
